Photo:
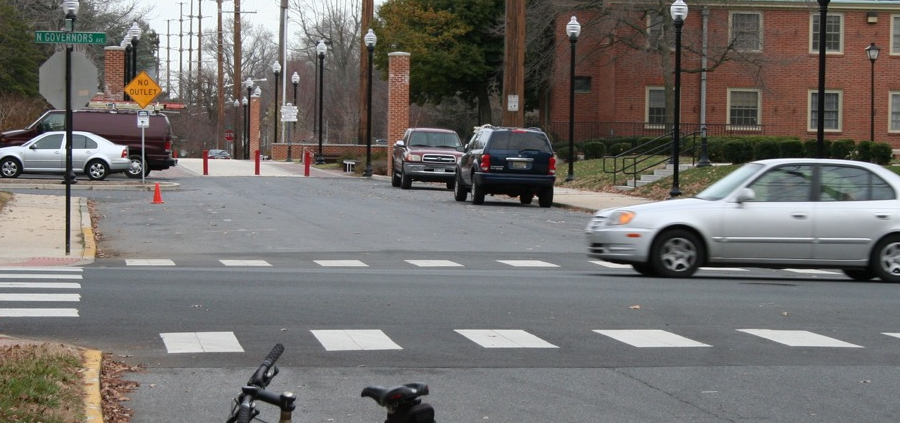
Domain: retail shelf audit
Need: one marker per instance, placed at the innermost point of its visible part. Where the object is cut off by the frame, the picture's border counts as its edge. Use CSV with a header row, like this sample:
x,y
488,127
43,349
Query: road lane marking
x,y
527,263
652,338
504,338
799,338
340,263
41,297
200,342
41,285
41,269
39,276
811,272
434,263
38,312
149,262
354,340
245,263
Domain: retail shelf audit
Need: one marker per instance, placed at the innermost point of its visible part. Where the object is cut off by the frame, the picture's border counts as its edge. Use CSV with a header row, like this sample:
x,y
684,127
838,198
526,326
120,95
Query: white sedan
x,y
92,155
780,213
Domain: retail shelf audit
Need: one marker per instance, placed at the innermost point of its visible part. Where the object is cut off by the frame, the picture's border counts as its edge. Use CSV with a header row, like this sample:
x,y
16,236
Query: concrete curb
x,y
89,249
93,401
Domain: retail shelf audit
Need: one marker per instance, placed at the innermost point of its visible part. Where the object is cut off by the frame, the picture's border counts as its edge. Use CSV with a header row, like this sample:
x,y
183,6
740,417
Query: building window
x,y
656,106
582,84
832,110
746,31
895,34
834,30
655,33
895,112
743,109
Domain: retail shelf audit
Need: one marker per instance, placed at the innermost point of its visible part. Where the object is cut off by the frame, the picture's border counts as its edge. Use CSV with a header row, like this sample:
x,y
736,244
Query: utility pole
x,y
514,65
180,50
169,58
238,152
368,10
220,80
199,50
190,51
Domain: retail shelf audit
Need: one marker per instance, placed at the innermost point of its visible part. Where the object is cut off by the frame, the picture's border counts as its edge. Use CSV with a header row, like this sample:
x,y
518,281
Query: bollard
x,y
205,162
257,163
306,160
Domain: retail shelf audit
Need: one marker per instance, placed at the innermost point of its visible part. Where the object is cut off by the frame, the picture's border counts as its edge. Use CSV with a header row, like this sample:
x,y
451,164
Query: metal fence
x,y
585,131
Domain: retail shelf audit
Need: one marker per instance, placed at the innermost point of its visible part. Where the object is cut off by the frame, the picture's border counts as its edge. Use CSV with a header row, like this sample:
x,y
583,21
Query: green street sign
x,y
60,37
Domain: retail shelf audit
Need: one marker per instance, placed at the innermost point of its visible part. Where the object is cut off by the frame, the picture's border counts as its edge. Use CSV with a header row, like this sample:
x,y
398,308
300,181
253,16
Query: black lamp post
x,y
679,11
295,79
248,84
872,51
235,142
70,8
321,49
573,29
135,34
370,40
820,103
276,69
246,137
126,43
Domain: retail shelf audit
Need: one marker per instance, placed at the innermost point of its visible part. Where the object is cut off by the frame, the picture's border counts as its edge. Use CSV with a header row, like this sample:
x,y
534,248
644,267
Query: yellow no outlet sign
x,y
142,89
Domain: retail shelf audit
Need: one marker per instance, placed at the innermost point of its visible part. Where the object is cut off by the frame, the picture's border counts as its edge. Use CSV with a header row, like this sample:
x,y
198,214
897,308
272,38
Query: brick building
x,y
768,83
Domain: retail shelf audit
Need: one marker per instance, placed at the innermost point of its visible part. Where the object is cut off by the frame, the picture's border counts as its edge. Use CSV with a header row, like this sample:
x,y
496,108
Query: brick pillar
x,y
114,73
254,124
398,99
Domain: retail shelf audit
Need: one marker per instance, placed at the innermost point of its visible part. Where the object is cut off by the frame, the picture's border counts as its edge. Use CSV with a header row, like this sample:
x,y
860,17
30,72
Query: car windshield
x,y
729,183
434,139
519,141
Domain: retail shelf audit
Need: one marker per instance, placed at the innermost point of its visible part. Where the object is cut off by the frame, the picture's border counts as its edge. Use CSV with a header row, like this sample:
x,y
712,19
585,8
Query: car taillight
x,y
125,153
551,170
485,162
168,146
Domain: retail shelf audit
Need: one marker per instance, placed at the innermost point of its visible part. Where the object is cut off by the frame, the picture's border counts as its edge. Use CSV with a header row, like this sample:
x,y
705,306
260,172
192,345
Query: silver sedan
x,y
780,213
92,155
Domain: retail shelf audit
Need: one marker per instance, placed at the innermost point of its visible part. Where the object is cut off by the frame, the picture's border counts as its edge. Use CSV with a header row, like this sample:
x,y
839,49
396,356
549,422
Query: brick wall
x,y
114,74
398,97
254,125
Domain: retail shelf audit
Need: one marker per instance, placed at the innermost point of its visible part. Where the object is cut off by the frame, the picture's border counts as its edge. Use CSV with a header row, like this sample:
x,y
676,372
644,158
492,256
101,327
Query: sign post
x,y
143,90
143,122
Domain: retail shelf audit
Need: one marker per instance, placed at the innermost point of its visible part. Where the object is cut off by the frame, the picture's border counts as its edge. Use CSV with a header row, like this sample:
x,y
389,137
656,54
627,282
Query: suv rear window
x,y
519,141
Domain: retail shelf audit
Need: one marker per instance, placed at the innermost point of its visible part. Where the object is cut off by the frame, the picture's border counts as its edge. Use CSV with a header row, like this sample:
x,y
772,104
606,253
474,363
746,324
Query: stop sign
x,y
52,80
229,135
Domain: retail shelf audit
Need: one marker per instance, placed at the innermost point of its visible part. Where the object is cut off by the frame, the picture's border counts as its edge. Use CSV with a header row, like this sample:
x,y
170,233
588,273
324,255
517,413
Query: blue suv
x,y
517,162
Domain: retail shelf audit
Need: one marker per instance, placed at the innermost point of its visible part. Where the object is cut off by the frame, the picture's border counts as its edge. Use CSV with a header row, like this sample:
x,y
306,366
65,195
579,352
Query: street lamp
x,y
126,44
872,51
235,142
573,29
679,11
295,79
276,69
248,84
135,34
245,142
321,49
70,8
370,40
820,103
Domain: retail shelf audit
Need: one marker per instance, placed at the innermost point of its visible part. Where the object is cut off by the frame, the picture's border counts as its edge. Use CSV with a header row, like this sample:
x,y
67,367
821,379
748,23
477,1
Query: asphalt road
x,y
496,307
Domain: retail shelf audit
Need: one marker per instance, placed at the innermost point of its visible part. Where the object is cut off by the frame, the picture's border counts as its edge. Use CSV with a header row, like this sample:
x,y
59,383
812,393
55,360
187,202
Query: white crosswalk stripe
x,y
434,263
245,263
25,279
495,338
351,340
527,263
799,338
149,262
651,338
340,263
201,342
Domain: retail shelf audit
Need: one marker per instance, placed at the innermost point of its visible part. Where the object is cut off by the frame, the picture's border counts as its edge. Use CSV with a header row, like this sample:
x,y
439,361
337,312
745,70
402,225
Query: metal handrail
x,y
647,156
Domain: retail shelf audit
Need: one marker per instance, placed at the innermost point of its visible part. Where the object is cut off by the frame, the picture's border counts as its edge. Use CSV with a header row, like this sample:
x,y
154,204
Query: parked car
x,y
427,155
779,213
217,154
153,143
92,155
518,162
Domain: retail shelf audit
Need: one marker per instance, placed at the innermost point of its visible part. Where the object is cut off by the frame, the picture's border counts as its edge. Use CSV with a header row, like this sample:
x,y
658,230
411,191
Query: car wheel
x,y
885,261
477,193
526,198
405,181
676,253
10,168
644,269
96,170
545,197
459,191
136,168
861,275
395,179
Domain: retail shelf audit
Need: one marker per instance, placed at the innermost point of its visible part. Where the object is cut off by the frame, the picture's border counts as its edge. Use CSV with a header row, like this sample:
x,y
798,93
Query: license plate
x,y
518,165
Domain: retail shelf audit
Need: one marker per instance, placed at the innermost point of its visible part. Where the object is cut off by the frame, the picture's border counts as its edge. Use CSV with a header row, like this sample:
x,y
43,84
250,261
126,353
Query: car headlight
x,y
413,157
621,217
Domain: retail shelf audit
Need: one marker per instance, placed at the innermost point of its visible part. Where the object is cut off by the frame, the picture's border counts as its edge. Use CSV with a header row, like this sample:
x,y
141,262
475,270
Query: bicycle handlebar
x,y
261,378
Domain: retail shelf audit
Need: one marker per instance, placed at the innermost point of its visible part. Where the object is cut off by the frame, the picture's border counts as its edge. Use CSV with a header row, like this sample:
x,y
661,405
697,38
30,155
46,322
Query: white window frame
x,y
647,124
759,33
813,37
840,111
754,128
891,111
895,35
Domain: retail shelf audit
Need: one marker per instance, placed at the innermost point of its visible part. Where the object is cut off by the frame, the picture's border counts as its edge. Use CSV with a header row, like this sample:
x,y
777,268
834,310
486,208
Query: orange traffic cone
x,y
157,197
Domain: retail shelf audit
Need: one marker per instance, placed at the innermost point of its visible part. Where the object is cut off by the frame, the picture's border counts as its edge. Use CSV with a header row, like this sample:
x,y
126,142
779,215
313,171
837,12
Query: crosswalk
x,y
335,340
442,263
52,288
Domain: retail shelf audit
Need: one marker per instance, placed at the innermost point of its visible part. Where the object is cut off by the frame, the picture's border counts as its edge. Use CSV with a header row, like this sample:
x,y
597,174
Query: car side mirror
x,y
746,194
399,143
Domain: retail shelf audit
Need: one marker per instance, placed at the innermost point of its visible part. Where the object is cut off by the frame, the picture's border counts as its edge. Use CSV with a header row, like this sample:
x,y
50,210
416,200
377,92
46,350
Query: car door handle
x,y
799,215
883,216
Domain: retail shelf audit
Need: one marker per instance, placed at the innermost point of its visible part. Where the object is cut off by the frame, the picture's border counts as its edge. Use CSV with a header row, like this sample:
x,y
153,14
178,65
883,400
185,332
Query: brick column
x,y
398,99
254,124
114,73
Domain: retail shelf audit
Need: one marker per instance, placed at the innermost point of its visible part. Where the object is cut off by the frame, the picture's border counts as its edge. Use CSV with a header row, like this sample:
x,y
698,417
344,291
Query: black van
x,y
117,126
